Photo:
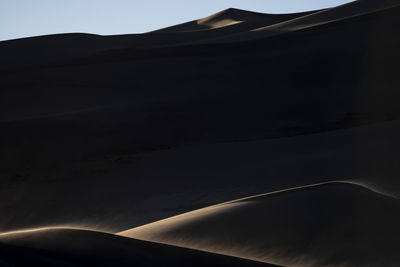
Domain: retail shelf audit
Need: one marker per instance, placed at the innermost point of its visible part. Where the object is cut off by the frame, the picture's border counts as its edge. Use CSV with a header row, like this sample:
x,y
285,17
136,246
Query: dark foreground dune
x,y
69,247
146,134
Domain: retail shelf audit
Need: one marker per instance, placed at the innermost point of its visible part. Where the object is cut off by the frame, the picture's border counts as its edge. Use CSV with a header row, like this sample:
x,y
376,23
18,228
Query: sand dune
x,y
226,18
321,225
235,99
60,115
73,247
355,8
110,133
226,26
34,51
194,176
327,16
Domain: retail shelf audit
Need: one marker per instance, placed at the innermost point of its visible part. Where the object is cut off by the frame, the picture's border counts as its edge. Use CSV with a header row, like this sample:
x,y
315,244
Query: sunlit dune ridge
x,y
272,228
74,247
303,226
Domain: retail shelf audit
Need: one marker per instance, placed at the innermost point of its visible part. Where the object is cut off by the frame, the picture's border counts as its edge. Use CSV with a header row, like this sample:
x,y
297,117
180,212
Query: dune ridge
x,y
77,247
33,51
316,225
263,234
228,17
306,21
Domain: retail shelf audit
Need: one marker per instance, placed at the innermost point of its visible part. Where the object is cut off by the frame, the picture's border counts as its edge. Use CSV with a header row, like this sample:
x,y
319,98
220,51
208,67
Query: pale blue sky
x,y
22,18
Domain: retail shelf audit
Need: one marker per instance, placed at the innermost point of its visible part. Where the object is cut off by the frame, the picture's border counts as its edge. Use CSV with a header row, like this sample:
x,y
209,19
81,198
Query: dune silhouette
x,y
73,247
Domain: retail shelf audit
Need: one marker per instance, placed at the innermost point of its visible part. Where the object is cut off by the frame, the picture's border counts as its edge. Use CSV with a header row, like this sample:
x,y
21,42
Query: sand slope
x,y
72,247
241,92
322,225
112,193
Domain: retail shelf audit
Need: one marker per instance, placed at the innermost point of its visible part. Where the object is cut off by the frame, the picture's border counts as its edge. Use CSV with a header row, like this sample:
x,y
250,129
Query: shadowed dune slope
x,y
331,224
133,99
69,247
112,193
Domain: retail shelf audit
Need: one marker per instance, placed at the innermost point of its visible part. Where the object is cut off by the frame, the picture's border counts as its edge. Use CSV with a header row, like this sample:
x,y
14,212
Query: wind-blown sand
x,y
120,134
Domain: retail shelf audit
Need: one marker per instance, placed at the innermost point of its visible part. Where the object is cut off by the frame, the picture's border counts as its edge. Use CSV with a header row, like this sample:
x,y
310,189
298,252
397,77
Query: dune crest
x,y
76,247
318,225
355,8
309,20
231,16
227,18
222,19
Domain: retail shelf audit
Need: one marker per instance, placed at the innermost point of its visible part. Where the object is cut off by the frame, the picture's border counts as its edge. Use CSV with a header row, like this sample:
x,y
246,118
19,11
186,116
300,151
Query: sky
x,y
24,18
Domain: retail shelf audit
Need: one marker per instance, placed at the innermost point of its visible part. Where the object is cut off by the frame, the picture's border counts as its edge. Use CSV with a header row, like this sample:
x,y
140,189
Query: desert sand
x,y
239,139
77,247
313,225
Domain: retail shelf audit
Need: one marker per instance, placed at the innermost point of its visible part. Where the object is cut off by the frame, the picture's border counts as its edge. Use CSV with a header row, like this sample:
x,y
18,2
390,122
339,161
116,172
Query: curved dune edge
x,y
56,246
229,17
342,12
9,234
214,208
314,225
326,16
151,232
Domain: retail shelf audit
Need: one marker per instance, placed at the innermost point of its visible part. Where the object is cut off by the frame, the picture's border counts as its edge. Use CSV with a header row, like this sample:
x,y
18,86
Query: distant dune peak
x,y
231,16
230,13
243,19
226,17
